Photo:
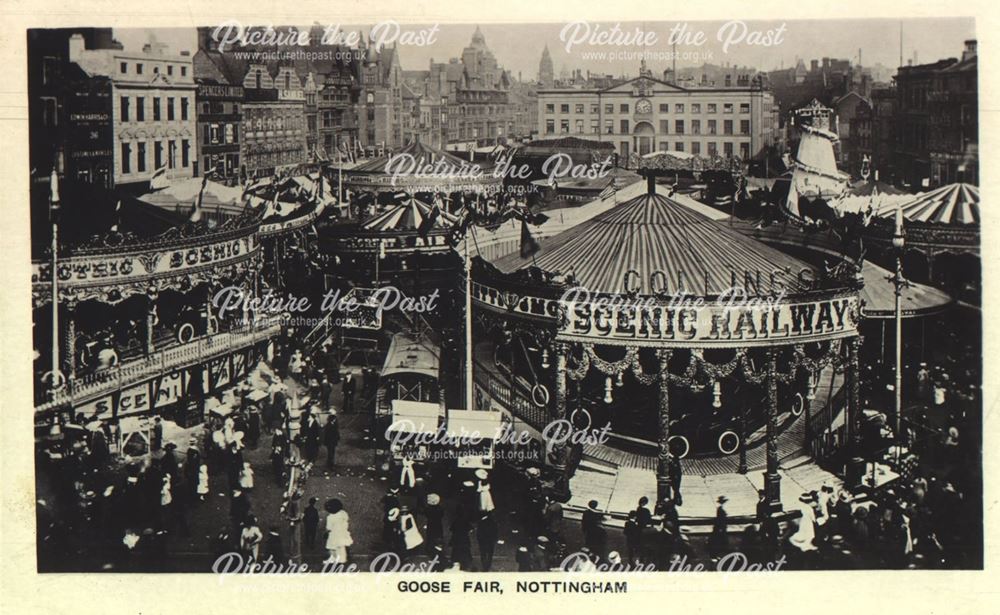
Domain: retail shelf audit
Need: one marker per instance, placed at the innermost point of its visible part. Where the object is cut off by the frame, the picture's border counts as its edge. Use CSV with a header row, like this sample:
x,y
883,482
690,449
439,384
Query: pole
x,y
468,326
54,213
898,280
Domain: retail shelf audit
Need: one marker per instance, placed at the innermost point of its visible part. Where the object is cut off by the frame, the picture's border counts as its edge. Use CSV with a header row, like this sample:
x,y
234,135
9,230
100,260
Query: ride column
x,y
561,450
663,490
151,318
854,393
69,340
772,480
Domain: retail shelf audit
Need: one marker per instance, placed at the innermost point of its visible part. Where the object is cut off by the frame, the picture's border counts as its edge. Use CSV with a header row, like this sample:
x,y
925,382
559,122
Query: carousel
x,y
942,239
675,334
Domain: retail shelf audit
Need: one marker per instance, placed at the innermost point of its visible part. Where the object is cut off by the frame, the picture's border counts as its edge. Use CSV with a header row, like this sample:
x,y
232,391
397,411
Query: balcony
x,y
158,363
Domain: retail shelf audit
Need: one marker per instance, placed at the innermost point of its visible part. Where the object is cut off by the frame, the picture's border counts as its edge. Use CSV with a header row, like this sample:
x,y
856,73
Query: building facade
x,y
854,127
644,115
220,116
153,109
274,121
937,130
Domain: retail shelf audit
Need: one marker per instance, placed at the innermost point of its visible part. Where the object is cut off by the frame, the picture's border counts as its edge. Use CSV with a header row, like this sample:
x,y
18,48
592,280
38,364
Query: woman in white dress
x,y
338,534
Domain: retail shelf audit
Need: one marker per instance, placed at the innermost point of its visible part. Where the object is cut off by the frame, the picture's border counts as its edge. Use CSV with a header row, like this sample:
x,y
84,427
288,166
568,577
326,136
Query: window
x,y
595,126
230,134
126,158
712,149
184,71
727,108
679,146
727,147
564,108
157,154
579,108
140,108
124,108
744,107
696,148
664,108
579,126
623,108
609,108
711,127
679,126
138,69
170,108
679,108
595,109
744,150
609,127
156,108
696,127
550,108
123,67
171,153
664,146
564,126
184,108
744,127
712,108
695,107
156,70
624,127
170,69
185,153
727,127
665,126
140,159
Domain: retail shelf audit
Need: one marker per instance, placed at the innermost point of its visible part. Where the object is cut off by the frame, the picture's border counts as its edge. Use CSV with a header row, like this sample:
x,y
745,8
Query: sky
x,y
518,48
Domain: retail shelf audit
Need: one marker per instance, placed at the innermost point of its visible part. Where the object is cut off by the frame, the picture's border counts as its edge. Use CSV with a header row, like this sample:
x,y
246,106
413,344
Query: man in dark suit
x,y
331,437
348,389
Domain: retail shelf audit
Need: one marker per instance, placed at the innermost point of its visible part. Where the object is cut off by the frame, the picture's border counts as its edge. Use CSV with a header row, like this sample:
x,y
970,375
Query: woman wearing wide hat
x,y
338,536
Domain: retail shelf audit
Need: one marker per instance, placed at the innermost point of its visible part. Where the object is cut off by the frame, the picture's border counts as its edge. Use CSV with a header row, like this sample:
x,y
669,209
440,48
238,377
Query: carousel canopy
x,y
880,298
951,204
181,194
430,170
408,216
654,233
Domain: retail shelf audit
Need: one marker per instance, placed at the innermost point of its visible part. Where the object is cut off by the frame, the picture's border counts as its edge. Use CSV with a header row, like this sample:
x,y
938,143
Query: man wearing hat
x,y
331,437
435,522
390,501
486,536
718,542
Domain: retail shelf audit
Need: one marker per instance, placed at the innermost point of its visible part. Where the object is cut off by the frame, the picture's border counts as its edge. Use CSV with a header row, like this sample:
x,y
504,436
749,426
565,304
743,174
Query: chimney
x,y
76,47
970,49
813,65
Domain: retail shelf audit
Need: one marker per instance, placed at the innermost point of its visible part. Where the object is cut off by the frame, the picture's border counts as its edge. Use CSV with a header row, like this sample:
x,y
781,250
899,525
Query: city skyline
x,y
519,51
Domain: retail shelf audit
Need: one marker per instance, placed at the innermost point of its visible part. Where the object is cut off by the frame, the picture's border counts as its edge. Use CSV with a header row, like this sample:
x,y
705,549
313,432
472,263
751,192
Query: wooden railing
x,y
161,362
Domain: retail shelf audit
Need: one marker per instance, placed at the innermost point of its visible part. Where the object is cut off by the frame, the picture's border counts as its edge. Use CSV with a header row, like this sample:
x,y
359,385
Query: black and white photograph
x,y
651,295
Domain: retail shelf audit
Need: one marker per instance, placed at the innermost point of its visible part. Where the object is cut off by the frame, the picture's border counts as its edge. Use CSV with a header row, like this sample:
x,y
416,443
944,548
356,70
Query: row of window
x,y
139,68
609,108
165,153
711,148
679,127
126,109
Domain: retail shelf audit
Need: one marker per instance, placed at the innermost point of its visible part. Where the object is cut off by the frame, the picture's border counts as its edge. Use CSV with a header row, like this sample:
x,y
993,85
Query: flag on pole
x,y
118,216
427,223
159,179
528,244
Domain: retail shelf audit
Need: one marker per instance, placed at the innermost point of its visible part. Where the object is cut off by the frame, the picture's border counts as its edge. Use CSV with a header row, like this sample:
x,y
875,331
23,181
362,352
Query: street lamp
x,y
898,243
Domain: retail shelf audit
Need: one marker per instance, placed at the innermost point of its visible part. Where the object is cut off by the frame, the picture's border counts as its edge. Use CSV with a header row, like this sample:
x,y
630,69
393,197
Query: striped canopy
x,y
879,296
951,204
653,233
407,216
